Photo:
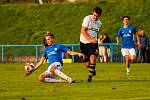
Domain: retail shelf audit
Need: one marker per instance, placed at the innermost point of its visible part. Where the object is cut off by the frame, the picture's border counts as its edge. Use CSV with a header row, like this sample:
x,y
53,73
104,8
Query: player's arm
x,y
119,34
75,53
39,63
84,32
117,40
36,66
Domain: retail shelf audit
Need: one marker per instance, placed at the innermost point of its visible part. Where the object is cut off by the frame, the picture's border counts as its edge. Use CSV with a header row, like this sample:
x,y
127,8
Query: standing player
x,y
88,40
127,33
54,53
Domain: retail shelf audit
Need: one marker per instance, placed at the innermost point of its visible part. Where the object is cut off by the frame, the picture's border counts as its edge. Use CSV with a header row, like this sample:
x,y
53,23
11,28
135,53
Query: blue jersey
x,y
127,35
54,53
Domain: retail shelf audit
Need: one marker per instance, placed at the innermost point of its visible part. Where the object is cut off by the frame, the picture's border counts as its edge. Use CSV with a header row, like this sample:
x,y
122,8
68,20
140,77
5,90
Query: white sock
x,y
128,70
62,75
51,80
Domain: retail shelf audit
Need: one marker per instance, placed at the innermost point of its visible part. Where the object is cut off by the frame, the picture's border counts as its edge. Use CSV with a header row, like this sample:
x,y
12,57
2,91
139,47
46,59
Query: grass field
x,y
111,83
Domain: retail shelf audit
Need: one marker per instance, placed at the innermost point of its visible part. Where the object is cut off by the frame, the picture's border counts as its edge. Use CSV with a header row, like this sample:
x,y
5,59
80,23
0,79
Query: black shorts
x,y
88,50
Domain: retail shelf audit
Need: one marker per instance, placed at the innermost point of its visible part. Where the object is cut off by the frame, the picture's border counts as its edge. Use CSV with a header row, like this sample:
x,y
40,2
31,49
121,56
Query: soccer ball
x,y
29,67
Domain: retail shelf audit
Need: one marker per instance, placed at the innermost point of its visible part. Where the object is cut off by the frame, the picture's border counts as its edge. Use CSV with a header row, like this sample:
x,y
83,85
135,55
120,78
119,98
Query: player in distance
x,y
127,33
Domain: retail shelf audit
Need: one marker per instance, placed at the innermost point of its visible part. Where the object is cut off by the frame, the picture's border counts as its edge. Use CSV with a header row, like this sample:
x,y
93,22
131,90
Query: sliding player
x,y
54,53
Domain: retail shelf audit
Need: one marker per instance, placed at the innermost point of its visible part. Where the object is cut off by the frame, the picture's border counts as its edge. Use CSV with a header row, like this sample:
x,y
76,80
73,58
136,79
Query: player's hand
x,y
81,55
27,73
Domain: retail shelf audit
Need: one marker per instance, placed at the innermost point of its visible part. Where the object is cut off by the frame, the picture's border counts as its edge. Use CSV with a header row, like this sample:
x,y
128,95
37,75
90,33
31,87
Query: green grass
x,y
24,23
111,83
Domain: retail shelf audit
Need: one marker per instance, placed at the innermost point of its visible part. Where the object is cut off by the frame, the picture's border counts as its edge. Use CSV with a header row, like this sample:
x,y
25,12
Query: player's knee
x,y
53,68
92,59
41,78
132,58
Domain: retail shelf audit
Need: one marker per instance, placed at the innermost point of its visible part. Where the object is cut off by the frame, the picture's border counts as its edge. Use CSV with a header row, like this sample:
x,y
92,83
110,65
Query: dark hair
x,y
125,17
97,10
49,34
44,40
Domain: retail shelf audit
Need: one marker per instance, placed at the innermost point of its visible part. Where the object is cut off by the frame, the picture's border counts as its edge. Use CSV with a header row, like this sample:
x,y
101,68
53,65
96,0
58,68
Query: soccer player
x,y
54,53
88,40
127,33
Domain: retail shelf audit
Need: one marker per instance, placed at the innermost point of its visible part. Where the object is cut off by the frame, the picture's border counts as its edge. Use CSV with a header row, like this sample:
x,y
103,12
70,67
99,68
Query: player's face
x,y
125,21
95,16
49,40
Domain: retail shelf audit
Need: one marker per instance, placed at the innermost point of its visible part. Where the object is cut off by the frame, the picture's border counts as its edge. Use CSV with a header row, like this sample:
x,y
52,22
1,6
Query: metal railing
x,y
73,46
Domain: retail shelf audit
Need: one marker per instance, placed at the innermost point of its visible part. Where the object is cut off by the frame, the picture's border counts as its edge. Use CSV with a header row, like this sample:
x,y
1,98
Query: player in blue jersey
x,y
127,33
54,53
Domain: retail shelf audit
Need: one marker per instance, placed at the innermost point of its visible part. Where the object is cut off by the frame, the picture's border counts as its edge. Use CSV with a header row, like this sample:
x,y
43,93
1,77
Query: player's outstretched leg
x,y
62,75
51,80
48,77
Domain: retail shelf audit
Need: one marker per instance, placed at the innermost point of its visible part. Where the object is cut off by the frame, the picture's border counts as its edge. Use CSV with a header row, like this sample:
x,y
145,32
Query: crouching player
x,y
54,53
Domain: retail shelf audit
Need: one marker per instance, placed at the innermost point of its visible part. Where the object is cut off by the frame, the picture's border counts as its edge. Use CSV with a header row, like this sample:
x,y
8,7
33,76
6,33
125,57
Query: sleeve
x,y
134,30
44,53
85,22
119,33
63,48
